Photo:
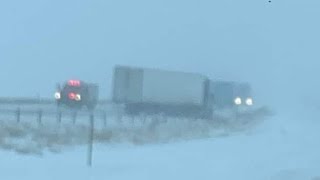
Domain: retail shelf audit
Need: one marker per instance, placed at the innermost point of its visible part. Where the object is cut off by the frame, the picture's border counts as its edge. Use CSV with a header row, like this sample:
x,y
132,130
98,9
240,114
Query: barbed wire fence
x,y
113,121
40,109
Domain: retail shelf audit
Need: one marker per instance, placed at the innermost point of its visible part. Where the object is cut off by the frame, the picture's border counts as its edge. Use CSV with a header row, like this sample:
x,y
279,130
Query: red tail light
x,y
74,83
72,96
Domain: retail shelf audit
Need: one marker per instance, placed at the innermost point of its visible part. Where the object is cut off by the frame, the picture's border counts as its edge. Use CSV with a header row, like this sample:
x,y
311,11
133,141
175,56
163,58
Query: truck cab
x,y
243,95
75,94
232,94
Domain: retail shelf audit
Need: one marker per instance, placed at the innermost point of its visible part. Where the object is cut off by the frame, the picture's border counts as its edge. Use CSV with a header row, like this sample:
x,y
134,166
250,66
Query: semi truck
x,y
230,94
154,91
75,94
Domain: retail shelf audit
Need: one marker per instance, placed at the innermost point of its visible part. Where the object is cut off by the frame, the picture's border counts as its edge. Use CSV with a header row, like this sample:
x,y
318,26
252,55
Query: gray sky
x,y
273,45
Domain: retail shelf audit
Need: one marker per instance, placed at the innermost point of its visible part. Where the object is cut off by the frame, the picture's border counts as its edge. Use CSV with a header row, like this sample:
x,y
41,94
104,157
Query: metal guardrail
x,y
5,100
40,114
26,100
45,107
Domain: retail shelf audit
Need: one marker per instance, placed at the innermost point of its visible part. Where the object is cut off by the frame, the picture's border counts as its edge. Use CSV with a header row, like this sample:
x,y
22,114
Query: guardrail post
x,y
40,116
18,114
236,111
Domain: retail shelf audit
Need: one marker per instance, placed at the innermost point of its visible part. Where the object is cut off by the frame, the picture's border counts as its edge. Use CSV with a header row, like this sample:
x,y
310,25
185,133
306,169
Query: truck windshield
x,y
68,88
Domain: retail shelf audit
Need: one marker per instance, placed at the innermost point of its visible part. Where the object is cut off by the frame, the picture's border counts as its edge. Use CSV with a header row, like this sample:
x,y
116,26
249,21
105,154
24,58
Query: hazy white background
x,y
275,46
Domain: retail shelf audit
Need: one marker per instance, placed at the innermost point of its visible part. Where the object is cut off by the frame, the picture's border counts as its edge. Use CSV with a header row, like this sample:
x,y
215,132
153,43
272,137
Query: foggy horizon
x,y
44,43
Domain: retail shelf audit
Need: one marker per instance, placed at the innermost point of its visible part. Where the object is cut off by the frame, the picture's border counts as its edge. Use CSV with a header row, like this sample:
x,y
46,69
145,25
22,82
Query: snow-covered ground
x,y
283,147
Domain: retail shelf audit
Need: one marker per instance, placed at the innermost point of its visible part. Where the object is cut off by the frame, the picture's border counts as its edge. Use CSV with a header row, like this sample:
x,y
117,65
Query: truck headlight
x,y
57,95
78,97
237,101
249,101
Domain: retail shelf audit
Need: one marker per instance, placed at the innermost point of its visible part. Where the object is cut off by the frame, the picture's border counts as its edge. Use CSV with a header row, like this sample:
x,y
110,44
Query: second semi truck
x,y
153,91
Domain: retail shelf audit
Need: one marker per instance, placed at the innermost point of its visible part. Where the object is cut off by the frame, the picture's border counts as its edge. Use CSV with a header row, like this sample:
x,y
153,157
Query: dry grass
x,y
29,139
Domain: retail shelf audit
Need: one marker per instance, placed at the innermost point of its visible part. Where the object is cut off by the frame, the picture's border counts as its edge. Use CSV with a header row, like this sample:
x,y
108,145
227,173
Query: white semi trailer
x,y
153,91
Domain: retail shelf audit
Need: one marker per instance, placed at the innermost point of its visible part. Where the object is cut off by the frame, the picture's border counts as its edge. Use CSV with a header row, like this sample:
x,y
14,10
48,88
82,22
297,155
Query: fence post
x,y
59,117
74,117
104,119
18,113
40,116
90,141
119,117
165,119
144,118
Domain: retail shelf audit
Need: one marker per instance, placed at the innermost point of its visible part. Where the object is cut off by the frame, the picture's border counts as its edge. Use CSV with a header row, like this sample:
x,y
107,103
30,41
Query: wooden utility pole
x,y
90,141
